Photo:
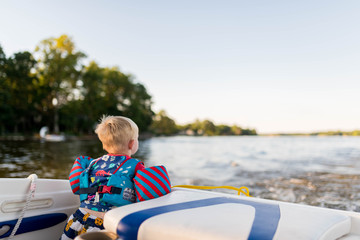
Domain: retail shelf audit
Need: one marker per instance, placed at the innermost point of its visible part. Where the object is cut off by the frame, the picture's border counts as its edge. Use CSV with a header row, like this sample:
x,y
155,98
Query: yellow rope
x,y
243,190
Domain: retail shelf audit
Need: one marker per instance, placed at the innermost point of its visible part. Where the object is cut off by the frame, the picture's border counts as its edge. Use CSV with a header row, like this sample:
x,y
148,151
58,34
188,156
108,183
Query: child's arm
x,y
80,164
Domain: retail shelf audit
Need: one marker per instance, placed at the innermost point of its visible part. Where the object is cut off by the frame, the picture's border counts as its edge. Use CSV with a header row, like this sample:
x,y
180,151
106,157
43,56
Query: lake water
x,y
319,171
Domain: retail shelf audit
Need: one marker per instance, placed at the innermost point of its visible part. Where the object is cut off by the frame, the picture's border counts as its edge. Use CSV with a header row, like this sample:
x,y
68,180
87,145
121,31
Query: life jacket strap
x,y
100,189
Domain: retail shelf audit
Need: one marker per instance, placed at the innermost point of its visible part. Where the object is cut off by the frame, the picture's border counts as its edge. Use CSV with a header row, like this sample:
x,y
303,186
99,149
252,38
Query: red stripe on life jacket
x,y
75,182
151,185
145,191
77,162
74,175
76,167
76,189
162,174
155,178
138,195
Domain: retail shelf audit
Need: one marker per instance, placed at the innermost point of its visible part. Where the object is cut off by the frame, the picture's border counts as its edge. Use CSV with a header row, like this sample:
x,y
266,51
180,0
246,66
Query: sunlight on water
x,y
320,171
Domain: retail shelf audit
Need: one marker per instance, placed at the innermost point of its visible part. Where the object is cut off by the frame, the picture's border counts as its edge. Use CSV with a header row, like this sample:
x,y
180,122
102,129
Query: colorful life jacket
x,y
151,182
119,189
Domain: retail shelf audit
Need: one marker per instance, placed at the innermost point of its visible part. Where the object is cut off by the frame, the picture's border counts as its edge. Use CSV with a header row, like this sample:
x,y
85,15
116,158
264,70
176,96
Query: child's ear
x,y
131,143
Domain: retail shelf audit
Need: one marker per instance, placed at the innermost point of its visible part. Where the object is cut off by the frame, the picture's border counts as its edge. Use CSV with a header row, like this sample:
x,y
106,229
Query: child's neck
x,y
120,153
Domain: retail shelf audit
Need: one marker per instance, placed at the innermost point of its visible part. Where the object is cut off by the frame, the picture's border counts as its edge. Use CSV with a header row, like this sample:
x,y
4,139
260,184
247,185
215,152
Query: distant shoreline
x,y
320,134
20,137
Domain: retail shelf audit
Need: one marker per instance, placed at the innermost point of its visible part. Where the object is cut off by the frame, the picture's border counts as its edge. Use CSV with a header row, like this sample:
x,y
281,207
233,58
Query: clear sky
x,y
276,66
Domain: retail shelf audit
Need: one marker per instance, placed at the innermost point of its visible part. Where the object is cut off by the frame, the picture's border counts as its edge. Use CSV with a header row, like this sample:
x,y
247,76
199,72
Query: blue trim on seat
x,y
30,224
265,223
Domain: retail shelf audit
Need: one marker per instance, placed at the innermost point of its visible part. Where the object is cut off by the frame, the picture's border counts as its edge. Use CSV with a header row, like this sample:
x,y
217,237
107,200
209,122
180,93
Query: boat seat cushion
x,y
186,214
305,222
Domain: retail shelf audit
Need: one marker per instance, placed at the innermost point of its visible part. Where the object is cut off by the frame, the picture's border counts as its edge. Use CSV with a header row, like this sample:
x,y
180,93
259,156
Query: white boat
x,y
183,214
50,137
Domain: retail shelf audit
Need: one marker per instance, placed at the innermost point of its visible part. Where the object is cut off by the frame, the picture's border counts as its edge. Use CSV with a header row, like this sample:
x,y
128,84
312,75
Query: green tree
x,y
59,68
208,128
56,90
87,103
139,106
223,130
23,90
248,131
5,109
196,127
163,125
109,91
236,130
355,133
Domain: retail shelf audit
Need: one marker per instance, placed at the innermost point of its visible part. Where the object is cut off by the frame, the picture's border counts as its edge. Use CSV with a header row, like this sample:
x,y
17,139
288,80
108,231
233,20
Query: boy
x,y
106,182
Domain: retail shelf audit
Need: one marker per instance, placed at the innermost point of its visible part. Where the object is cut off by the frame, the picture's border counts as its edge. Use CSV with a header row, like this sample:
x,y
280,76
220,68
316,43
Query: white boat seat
x,y
189,215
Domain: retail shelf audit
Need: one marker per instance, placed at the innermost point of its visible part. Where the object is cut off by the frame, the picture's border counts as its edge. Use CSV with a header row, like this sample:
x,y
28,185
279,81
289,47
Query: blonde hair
x,y
115,132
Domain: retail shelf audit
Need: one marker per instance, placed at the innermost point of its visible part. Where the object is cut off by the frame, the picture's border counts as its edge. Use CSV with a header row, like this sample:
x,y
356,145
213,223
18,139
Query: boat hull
x,y
183,214
46,214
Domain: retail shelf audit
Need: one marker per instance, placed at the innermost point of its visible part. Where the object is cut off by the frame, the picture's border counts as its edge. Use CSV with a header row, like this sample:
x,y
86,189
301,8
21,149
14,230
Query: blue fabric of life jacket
x,y
122,178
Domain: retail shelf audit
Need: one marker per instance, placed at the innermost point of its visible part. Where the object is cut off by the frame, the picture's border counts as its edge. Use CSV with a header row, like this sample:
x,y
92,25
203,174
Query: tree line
x,y
354,133
52,87
163,125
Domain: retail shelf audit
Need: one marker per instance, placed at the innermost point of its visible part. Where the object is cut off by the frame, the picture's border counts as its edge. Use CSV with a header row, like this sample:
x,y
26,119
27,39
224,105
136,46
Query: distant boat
x,y
50,137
